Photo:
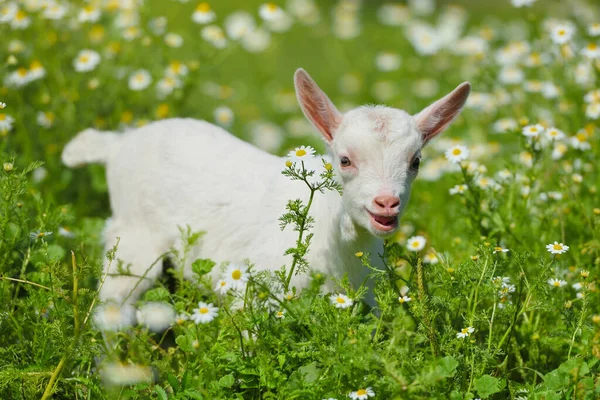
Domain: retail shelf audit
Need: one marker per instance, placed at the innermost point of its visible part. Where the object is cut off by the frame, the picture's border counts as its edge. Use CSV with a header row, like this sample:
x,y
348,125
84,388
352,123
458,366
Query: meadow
x,y
492,282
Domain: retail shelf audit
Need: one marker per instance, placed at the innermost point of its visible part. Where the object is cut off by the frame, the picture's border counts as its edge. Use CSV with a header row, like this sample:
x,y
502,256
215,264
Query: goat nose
x,y
387,202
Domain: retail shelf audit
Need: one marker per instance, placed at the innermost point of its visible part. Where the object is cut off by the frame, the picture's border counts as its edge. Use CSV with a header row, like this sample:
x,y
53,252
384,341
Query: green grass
x,y
536,342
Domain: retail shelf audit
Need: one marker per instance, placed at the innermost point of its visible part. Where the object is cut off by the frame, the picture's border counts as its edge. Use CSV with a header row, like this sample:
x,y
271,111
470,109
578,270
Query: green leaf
x,y
574,367
162,395
174,382
55,253
192,394
447,366
227,381
556,380
487,385
202,267
157,294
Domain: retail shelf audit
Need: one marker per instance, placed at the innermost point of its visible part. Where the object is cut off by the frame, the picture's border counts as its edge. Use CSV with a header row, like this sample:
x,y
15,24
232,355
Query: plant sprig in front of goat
x,y
297,212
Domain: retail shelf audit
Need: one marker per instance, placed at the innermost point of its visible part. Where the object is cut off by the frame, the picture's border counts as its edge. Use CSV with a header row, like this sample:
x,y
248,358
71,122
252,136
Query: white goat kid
x,y
180,172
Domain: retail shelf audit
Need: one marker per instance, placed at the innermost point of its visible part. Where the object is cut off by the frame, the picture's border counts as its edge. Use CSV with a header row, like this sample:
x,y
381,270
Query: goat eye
x,y
415,164
345,161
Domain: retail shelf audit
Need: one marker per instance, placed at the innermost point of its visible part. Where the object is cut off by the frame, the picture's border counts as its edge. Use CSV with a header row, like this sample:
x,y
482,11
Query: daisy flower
x,y
591,51
561,33
237,276
2,105
301,153
119,374
89,13
113,317
203,14
386,61
341,300
204,313
416,243
522,3
156,316
6,122
557,248
280,314
86,60
464,332
8,166
20,20
239,24
223,116
556,282
18,78
593,29
181,318
457,154
362,394
167,85
39,235
404,299
173,40
458,189
554,134
431,258
222,287
45,119
214,35
532,130
176,68
140,80
270,12
65,232
500,250
36,70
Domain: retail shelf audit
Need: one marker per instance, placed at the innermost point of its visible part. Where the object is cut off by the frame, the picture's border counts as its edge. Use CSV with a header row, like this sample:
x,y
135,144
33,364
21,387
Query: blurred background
x,y
117,65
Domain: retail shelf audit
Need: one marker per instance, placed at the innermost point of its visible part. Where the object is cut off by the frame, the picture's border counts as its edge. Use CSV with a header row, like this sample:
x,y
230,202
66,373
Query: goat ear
x,y
434,119
316,105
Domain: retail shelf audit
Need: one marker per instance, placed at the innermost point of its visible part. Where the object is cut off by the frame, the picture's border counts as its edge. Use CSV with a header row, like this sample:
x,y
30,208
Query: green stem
x,y
423,301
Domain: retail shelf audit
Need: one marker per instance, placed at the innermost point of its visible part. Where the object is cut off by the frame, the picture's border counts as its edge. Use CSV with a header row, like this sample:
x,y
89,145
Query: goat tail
x,y
89,147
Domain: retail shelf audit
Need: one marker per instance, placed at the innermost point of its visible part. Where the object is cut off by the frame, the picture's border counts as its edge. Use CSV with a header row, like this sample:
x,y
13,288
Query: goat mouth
x,y
385,223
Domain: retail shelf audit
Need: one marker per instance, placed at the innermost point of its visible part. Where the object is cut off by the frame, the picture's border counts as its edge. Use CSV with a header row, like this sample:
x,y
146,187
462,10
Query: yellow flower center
x,y
562,32
456,152
557,247
203,310
84,59
237,274
203,7
415,244
581,137
340,300
498,248
300,153
88,9
22,72
556,283
139,77
2,117
401,300
222,283
272,7
280,313
592,46
464,330
361,392
20,15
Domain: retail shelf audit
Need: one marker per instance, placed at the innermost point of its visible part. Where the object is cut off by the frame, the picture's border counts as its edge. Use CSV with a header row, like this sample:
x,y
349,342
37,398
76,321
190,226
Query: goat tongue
x,y
384,220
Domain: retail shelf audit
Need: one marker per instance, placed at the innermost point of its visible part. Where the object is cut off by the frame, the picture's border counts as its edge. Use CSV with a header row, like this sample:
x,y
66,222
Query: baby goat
x,y
180,172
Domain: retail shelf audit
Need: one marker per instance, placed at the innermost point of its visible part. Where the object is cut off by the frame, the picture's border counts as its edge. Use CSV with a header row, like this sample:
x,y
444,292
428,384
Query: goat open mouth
x,y
385,223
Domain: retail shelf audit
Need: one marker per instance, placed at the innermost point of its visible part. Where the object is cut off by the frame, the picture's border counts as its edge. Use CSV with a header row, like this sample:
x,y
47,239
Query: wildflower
x,y
237,276
156,316
173,40
458,189
557,248
120,374
511,75
271,12
204,313
222,286
430,258
2,105
20,20
532,130
484,182
301,153
554,134
522,3
591,51
592,110
215,36
45,119
223,116
86,60
593,29
280,314
464,332
561,33
140,80
239,24
577,286
176,69
113,317
166,85
181,318
584,274
6,122
8,12
203,14
505,124
256,41
457,154
8,166
416,243
89,13
362,394
65,232
38,234
386,61
556,282
404,299
500,250
341,300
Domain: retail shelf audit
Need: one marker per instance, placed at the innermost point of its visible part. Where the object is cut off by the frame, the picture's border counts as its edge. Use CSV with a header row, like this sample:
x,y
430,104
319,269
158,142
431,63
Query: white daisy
x,y
203,14
214,35
6,122
362,394
167,85
561,33
404,299
204,313
20,21
533,130
554,134
222,287
181,318
65,232
55,11
457,153
431,258
8,12
556,282
86,60
237,276
416,243
2,105
223,116
341,300
498,249
173,40
118,374
280,314
557,248
593,29
156,316
458,189
89,13
239,24
464,332
45,119
113,317
140,80
591,51
387,61
271,12
176,69
301,153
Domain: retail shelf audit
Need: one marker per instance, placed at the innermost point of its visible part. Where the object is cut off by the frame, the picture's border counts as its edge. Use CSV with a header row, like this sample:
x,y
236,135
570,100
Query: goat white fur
x,y
179,172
